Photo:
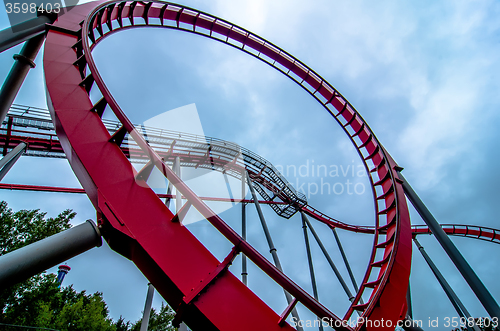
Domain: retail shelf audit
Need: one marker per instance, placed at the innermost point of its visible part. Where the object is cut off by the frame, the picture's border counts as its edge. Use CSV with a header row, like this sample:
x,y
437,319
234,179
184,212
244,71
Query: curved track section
x,y
193,151
34,126
461,230
139,226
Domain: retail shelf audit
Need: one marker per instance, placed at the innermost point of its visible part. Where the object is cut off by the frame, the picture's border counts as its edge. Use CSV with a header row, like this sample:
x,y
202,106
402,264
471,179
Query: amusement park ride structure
x,y
136,223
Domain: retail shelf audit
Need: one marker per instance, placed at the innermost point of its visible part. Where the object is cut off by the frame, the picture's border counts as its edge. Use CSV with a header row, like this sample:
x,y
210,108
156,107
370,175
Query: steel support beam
x,y
169,193
176,167
24,62
244,272
39,188
311,267
328,258
272,248
455,301
30,260
19,33
147,308
409,311
10,159
346,262
465,269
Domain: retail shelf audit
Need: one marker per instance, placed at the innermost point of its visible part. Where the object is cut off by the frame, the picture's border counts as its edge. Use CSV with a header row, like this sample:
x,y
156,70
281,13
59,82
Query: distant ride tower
x,y
63,270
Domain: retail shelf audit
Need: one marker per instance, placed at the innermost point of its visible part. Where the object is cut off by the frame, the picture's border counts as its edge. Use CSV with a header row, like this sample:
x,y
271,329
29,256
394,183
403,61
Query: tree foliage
x,y
18,229
158,321
39,302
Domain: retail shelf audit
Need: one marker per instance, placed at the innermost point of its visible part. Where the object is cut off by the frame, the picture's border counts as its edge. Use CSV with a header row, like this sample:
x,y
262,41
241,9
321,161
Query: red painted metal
x,y
287,311
462,230
24,187
137,224
192,151
333,223
459,230
37,188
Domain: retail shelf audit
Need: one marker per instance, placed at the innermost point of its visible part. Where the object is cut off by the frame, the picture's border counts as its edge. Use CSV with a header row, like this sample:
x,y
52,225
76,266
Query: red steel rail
x,y
193,151
463,230
39,188
459,230
138,225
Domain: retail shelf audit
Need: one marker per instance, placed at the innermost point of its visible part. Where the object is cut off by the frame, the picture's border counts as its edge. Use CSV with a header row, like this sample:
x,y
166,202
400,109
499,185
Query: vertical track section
x,y
139,226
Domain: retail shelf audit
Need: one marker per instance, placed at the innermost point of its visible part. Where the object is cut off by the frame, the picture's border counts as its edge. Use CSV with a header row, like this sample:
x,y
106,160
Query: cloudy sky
x,y
424,75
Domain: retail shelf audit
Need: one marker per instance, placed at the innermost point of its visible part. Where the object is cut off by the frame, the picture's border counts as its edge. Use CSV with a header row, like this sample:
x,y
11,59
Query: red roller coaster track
x,y
139,226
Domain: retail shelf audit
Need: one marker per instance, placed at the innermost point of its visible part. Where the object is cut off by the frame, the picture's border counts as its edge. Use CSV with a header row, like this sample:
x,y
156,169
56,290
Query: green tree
x,y
38,301
43,304
27,226
20,229
158,321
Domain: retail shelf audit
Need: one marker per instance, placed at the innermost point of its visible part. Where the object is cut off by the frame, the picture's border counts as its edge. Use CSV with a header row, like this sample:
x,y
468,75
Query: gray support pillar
x,y
15,78
30,260
169,191
311,267
170,186
328,258
178,197
455,301
346,262
272,249
176,167
10,159
408,302
147,308
465,269
19,33
244,272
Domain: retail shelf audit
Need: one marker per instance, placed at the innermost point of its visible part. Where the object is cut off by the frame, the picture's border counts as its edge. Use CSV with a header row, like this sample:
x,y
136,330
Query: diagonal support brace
x,y
10,159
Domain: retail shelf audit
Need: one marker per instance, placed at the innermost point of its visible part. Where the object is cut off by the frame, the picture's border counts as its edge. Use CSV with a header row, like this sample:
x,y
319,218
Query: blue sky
x,y
424,75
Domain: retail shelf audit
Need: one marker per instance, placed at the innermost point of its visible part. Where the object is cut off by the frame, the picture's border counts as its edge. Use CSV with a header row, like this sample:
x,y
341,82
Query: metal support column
x,y
10,159
147,308
175,165
272,249
455,301
311,267
465,269
10,121
15,78
178,198
346,262
19,33
244,272
30,260
408,302
329,259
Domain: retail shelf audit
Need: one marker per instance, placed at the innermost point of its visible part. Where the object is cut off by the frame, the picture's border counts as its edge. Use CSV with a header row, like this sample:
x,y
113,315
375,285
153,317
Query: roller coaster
x,y
138,224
